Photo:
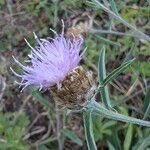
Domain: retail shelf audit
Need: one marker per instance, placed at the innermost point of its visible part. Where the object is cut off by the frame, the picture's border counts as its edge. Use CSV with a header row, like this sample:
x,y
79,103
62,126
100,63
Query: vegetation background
x,y
30,120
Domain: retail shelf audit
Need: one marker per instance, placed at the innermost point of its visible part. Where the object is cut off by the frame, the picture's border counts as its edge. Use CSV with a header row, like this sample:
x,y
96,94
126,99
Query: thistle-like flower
x,y
51,61
52,65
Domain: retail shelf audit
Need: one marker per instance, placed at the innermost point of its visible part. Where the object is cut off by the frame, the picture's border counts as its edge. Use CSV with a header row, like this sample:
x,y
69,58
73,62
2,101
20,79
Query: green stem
x,y
141,34
98,109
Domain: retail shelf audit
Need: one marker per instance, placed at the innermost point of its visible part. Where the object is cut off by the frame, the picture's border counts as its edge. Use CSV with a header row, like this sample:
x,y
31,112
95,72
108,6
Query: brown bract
x,y
76,32
77,87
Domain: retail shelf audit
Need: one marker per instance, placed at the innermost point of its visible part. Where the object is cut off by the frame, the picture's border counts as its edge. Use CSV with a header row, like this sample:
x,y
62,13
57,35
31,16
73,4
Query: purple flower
x,y
51,61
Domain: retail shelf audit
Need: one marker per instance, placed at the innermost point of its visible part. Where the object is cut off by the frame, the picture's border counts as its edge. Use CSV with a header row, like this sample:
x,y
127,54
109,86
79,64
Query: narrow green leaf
x,y
116,72
129,54
36,94
140,34
108,124
3,46
43,147
128,137
110,146
113,6
71,135
147,105
107,41
102,68
46,9
88,126
142,144
99,110
102,76
115,140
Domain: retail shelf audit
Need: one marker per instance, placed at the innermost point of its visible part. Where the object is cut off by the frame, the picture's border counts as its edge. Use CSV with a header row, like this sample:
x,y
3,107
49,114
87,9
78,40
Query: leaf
x,y
128,137
140,34
116,72
108,41
130,53
108,124
142,144
102,76
43,147
3,46
48,12
22,120
36,94
115,140
71,135
99,110
102,128
147,105
88,126
110,146
113,6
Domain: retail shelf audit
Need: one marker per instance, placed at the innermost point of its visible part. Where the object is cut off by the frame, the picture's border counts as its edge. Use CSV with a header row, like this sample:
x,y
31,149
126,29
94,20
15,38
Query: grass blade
x,y
113,6
128,137
36,94
129,55
117,71
71,135
99,110
147,105
102,76
107,41
142,144
110,146
115,140
98,4
88,126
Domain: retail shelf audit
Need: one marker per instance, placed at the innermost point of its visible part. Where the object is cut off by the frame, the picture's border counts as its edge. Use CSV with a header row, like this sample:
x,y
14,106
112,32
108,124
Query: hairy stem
x,y
98,109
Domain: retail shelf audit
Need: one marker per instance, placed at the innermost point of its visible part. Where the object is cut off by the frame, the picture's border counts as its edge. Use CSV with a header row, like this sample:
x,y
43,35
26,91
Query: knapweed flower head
x,y
50,61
